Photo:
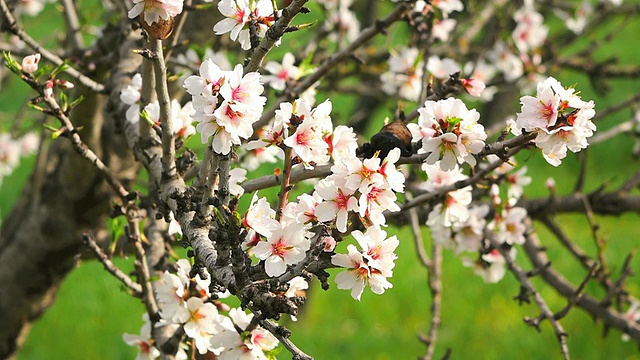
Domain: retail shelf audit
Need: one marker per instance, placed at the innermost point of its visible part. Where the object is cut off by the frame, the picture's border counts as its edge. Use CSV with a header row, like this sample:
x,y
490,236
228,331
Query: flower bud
x,y
48,88
160,29
64,84
30,63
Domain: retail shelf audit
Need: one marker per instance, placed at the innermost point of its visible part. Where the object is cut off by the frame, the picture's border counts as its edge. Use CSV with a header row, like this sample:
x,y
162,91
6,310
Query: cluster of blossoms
x,y
560,117
405,74
239,14
309,133
11,150
282,73
404,77
186,301
155,10
226,104
530,32
341,22
449,132
459,225
371,265
188,62
365,187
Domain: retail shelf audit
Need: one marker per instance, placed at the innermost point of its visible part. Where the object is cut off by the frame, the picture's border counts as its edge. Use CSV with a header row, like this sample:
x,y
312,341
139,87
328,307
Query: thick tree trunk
x,y
65,197
42,235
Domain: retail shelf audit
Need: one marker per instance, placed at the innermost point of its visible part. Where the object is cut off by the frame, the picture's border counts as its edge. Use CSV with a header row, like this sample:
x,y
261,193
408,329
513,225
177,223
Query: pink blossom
x,y
285,246
338,201
281,74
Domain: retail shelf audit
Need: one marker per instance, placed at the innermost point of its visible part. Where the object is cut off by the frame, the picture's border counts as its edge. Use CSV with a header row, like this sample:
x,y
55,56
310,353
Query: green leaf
x,y
117,229
60,68
272,354
10,63
64,104
76,101
45,69
145,117
306,67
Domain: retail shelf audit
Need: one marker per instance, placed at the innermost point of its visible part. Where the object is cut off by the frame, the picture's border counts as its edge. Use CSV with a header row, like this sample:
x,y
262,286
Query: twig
x,y
73,24
618,286
274,34
584,259
208,173
435,286
599,242
162,91
600,70
417,236
147,95
286,186
608,316
111,267
142,266
617,107
333,60
282,334
622,128
224,167
80,147
582,174
630,184
524,281
15,29
574,299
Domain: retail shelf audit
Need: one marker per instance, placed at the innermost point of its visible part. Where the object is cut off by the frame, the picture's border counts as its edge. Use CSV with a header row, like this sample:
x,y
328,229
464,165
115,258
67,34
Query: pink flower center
x,y
547,111
303,138
341,200
279,249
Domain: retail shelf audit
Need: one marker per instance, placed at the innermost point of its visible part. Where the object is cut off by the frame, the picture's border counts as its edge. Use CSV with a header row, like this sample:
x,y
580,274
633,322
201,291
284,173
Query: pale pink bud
x,y
550,184
473,86
222,306
64,84
329,244
30,63
48,88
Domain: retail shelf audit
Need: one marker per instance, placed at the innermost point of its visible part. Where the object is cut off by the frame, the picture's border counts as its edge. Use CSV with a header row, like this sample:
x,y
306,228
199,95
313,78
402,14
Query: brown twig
x,y
574,249
274,34
164,100
74,35
81,148
593,306
573,299
524,281
15,29
111,267
333,60
282,334
599,241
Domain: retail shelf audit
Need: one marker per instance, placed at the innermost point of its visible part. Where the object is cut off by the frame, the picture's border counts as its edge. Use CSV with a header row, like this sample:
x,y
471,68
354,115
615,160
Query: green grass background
x,y
479,321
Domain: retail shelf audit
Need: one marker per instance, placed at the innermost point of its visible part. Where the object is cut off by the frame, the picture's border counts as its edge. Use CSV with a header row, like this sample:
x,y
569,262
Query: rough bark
x,y
41,238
